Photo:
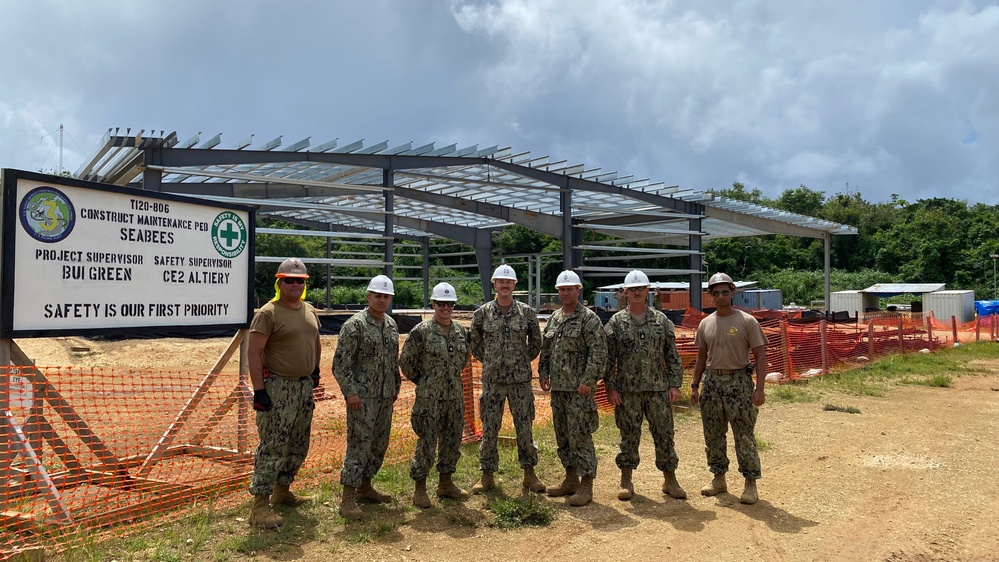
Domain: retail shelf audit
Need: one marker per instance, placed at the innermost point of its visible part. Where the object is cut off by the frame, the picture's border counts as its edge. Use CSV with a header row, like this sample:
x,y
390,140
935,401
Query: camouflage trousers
x,y
575,418
367,440
728,399
634,409
284,434
439,425
520,395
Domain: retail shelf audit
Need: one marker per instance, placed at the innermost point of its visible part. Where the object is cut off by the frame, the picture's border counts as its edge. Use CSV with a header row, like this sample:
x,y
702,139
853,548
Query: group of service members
x,y
634,353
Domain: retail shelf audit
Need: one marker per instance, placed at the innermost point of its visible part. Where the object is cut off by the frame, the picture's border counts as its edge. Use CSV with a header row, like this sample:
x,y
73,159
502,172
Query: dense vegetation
x,y
931,240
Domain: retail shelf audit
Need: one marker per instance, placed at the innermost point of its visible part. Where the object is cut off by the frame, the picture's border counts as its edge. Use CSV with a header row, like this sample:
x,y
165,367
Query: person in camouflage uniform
x,y
724,340
366,366
505,339
573,357
433,357
643,379
283,354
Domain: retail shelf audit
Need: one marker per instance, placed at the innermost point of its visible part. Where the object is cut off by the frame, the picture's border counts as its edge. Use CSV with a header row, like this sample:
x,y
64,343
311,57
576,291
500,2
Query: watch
x,y
694,386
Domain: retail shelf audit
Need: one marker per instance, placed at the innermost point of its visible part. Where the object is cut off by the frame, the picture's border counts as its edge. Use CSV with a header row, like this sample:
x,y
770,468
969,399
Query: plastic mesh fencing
x,y
90,453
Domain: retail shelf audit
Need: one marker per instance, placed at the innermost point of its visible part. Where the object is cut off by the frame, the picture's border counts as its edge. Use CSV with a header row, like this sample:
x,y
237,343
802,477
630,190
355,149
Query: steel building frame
x,y
409,192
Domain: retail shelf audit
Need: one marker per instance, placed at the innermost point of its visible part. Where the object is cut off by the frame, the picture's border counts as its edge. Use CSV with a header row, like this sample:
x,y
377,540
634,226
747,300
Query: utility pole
x,y
995,294
60,148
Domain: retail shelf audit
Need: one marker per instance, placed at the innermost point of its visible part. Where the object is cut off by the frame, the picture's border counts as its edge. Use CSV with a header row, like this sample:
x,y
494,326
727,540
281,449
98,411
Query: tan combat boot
x,y
584,494
568,486
366,492
531,481
486,484
671,487
420,497
261,514
749,496
716,486
348,506
627,488
447,489
283,496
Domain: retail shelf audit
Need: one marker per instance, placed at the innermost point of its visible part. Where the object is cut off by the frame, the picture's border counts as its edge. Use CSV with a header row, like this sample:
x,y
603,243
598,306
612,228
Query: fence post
x,y
901,331
978,328
870,338
953,327
929,331
824,342
6,451
786,349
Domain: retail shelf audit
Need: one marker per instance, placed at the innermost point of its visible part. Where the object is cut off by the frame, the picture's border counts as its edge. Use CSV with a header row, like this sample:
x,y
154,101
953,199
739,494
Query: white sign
x,y
95,258
21,395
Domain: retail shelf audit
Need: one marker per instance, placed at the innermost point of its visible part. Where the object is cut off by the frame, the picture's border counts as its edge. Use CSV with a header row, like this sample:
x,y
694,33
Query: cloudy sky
x,y
878,97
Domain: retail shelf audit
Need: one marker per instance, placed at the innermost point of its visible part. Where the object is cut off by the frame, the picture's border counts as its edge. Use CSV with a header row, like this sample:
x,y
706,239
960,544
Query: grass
x,y
762,445
511,513
791,393
936,369
844,409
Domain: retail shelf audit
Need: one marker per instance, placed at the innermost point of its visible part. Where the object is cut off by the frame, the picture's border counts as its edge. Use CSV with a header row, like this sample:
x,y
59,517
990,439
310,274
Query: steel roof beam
x,y
592,186
766,225
547,224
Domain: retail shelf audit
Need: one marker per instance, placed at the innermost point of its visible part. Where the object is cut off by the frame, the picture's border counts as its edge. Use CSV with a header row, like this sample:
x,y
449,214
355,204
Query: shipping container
x,y
854,303
759,299
944,304
672,300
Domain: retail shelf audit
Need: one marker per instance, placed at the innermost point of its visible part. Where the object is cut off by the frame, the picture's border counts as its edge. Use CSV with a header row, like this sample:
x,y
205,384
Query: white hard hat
x,y
504,271
568,279
292,267
444,292
381,284
718,279
636,278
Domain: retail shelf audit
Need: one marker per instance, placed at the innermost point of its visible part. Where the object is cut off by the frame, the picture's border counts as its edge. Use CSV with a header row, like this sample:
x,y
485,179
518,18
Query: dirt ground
x,y
912,477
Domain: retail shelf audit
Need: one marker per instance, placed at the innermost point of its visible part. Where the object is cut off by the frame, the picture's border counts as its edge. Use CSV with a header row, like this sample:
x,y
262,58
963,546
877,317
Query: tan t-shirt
x,y
729,339
291,338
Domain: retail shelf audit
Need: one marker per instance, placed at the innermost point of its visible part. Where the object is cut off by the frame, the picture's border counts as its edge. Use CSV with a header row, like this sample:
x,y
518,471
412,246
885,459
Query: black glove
x,y
315,377
262,400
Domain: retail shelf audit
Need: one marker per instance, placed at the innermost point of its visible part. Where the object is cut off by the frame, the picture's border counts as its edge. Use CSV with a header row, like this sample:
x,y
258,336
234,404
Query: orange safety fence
x,y
94,453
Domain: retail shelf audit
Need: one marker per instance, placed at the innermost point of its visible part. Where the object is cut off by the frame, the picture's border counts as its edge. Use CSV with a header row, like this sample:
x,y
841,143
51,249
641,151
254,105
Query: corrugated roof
x,y
892,289
673,286
342,185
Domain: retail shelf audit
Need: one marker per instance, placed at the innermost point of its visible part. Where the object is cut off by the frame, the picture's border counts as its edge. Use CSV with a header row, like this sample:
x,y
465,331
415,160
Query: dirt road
x,y
912,477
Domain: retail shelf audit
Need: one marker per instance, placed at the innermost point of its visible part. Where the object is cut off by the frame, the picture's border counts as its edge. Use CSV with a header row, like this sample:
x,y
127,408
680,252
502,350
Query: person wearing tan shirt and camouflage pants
x,y
724,340
283,354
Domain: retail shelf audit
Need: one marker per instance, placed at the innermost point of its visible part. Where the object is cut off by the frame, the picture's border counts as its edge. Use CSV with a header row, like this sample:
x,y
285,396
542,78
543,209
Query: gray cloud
x,y
891,97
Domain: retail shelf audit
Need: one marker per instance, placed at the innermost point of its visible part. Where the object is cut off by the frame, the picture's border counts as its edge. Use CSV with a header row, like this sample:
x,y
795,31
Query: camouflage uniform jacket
x,y
434,359
642,357
574,350
505,345
366,362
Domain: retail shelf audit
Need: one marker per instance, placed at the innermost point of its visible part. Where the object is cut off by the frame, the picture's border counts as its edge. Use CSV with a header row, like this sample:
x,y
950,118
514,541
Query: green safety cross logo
x,y
229,234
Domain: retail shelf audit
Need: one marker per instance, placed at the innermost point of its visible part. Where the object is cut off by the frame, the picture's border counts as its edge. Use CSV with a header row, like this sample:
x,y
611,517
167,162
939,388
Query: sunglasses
x,y
293,280
443,304
720,293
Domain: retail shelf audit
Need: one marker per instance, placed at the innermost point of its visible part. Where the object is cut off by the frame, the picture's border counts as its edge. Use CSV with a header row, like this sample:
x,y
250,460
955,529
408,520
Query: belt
x,y
269,373
728,371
